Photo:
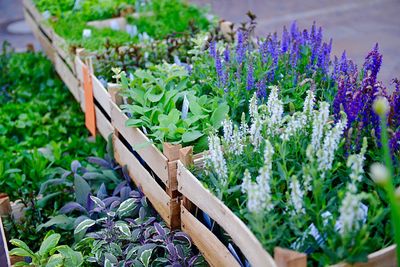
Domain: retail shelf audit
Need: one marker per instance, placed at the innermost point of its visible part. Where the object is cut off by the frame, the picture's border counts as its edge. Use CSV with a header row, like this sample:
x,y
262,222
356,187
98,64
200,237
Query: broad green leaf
x,y
155,97
123,227
134,123
219,115
20,252
84,225
126,206
55,260
62,221
145,257
49,243
111,258
22,245
191,136
82,190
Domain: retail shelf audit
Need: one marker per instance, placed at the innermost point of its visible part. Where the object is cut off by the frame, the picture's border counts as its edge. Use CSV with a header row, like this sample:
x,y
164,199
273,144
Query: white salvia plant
x,y
233,138
320,120
259,193
296,197
275,111
351,214
215,161
356,164
326,153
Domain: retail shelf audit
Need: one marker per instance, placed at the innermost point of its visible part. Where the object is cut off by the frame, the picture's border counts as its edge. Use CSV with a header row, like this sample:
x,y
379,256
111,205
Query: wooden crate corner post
x,y
289,258
90,114
186,158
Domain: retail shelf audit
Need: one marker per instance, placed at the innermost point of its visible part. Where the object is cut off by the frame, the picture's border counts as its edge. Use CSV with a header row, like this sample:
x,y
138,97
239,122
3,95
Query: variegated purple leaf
x,y
93,176
89,203
102,193
181,236
100,162
125,192
72,206
115,204
192,260
65,174
180,251
176,264
118,188
126,174
173,253
75,165
135,194
160,230
109,200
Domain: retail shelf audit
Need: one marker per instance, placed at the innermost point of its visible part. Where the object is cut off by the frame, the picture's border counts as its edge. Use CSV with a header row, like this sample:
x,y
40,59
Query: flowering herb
x,y
317,205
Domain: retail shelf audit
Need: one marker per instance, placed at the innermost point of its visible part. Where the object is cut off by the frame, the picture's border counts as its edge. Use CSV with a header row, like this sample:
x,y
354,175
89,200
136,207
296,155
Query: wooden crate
x,y
160,167
196,196
32,18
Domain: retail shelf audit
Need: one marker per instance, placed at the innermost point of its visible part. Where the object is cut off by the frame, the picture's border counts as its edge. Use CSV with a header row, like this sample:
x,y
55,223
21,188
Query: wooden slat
x,y
78,68
139,141
212,249
289,258
142,178
101,95
38,18
191,188
62,48
68,78
104,127
385,257
43,40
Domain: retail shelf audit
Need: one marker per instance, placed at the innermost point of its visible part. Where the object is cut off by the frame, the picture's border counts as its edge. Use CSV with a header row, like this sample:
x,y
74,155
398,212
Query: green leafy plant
x,y
163,101
49,254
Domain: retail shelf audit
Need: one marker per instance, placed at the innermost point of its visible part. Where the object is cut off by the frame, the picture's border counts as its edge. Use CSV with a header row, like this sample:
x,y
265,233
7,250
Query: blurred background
x,y
354,25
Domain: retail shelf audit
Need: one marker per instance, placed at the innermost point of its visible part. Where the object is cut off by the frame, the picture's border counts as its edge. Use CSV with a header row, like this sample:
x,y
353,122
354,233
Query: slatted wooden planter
x,y
197,198
157,176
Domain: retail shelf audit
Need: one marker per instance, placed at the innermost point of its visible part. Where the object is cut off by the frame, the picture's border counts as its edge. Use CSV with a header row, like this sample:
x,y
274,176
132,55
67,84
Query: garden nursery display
x,y
152,133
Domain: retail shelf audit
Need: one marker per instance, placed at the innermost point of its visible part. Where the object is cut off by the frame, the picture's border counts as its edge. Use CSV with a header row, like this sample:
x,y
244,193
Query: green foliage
x,y
170,16
163,101
49,254
42,132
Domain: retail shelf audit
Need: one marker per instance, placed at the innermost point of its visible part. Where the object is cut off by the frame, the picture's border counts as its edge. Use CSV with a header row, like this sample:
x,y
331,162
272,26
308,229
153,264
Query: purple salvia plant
x,y
395,143
285,40
227,54
294,31
394,116
343,63
212,49
261,88
220,72
373,63
263,50
240,48
250,76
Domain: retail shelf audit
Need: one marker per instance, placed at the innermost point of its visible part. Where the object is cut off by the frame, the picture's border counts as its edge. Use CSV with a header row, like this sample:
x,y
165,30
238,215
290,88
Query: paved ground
x,y
354,25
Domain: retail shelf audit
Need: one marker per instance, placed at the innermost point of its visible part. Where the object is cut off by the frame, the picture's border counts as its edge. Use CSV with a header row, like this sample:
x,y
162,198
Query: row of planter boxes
x,y
176,194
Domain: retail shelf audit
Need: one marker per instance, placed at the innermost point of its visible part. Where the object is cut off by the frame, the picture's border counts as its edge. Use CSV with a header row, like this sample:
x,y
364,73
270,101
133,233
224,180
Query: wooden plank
x,y
5,206
101,94
4,257
142,178
39,35
78,68
385,257
104,127
191,188
212,249
289,258
142,145
38,18
68,78
62,48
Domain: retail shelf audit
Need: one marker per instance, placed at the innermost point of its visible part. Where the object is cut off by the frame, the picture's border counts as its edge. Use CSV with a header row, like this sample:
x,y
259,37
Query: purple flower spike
x,y
343,63
285,40
227,54
294,31
250,76
218,67
212,49
395,143
240,48
261,88
373,63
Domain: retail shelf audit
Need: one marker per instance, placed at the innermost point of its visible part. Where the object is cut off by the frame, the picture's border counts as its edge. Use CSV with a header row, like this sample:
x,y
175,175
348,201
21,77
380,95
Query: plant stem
x,y
390,189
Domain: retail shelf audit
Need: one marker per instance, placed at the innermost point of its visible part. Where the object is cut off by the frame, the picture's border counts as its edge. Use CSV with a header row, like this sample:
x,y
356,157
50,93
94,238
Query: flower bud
x,y
381,106
379,173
